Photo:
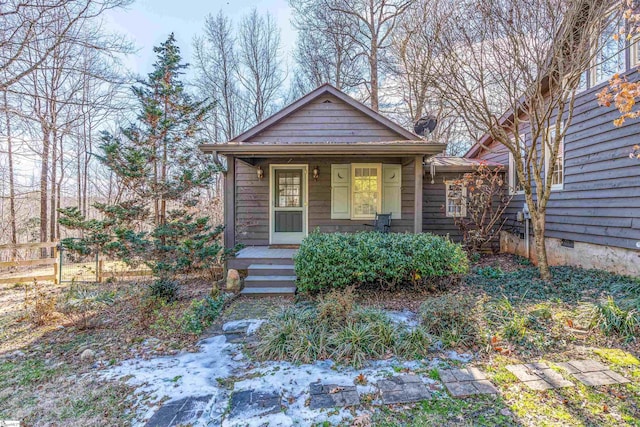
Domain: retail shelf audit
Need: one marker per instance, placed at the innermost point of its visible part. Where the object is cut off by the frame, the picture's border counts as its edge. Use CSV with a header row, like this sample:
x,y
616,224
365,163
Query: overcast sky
x,y
148,22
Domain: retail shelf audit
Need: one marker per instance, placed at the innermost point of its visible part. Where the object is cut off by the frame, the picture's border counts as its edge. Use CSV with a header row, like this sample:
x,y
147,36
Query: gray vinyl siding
x,y
434,218
252,198
322,121
601,196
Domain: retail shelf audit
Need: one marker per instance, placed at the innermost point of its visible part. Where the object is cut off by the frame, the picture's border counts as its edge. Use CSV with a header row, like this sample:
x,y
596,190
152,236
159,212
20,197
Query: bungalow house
x,y
326,162
592,216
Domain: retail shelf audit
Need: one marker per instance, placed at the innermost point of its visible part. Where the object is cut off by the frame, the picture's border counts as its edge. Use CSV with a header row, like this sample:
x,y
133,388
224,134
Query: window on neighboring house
x,y
366,190
634,50
456,199
515,186
610,51
557,180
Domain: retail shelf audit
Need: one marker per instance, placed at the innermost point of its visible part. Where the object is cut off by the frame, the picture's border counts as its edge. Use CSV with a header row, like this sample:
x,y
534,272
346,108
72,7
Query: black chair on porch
x,y
382,223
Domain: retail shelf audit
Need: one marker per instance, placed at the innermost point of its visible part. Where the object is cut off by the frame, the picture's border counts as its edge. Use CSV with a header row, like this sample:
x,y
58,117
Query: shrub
x,y
413,343
339,260
452,318
613,319
202,313
164,289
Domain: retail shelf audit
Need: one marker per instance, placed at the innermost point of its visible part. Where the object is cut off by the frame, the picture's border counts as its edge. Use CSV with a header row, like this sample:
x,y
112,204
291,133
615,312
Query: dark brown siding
x,y
327,119
252,198
601,196
434,219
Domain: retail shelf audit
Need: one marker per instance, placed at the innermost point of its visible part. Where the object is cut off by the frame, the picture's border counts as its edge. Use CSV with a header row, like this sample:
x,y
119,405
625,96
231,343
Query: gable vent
x,y
327,101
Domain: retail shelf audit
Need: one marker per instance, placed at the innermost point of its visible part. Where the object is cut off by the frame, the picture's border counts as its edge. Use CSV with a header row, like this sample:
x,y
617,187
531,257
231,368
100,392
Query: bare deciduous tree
x,y
261,75
374,22
533,53
326,51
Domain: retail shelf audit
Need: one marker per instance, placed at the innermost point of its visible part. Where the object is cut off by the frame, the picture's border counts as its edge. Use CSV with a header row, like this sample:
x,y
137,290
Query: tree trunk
x,y
44,181
12,193
541,249
54,186
373,64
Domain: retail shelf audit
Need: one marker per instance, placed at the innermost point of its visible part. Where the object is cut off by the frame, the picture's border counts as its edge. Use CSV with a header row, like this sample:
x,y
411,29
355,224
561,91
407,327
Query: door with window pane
x,y
288,204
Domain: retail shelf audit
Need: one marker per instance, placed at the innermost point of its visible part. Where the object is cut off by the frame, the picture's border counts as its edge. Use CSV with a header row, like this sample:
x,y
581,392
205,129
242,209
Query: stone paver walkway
x,y
539,376
179,412
466,382
332,395
403,389
253,402
592,373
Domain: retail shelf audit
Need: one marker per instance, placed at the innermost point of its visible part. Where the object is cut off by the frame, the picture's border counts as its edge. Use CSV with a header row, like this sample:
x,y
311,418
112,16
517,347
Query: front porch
x,y
269,270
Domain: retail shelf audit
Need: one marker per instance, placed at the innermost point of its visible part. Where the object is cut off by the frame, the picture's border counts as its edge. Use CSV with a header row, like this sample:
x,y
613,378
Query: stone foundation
x,y
586,255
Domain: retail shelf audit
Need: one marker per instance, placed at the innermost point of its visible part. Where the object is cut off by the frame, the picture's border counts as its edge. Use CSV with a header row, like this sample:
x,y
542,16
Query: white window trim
x,y
463,208
377,166
634,55
547,158
592,78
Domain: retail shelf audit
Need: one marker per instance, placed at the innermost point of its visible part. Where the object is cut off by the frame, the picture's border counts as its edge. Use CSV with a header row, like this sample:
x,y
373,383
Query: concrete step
x,y
269,281
269,291
271,270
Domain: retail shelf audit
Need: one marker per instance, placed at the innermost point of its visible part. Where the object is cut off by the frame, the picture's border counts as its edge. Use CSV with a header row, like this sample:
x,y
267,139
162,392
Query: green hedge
x,y
338,260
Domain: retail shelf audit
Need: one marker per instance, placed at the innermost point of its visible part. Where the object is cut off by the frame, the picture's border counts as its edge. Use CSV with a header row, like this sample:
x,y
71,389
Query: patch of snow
x,y
250,325
406,318
195,374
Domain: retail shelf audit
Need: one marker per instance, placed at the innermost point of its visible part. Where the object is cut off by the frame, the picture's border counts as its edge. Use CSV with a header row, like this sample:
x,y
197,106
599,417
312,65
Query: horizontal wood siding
x,y
434,218
601,196
327,119
252,199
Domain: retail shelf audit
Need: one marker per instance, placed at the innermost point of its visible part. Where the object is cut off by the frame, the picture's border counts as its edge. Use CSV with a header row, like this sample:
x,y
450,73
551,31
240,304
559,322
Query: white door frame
x,y
305,204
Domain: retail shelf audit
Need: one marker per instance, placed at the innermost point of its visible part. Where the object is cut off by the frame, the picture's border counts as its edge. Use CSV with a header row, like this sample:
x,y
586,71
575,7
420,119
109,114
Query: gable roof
x,y
325,89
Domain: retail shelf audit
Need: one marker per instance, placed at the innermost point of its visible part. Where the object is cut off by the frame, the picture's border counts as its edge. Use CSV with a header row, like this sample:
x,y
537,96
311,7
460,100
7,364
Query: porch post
x,y
419,173
230,203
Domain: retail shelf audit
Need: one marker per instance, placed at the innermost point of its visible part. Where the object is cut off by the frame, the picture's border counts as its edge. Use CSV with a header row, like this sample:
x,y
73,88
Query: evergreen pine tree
x,y
157,162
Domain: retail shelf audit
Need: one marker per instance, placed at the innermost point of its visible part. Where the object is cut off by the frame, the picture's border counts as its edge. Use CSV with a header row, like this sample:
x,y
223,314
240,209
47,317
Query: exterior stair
x,y
270,280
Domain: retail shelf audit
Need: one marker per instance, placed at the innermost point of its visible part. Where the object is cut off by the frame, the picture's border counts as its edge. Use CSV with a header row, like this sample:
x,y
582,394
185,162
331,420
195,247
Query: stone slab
x,y
403,389
254,402
485,387
179,412
332,395
587,365
461,389
538,376
592,372
595,378
446,376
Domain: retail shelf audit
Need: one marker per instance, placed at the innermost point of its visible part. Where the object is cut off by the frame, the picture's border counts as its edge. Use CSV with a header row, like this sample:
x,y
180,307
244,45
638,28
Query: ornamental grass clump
x,y
338,260
336,328
453,319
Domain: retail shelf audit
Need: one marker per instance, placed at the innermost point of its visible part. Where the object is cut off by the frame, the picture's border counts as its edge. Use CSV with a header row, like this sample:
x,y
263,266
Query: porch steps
x,y
271,270
269,292
270,280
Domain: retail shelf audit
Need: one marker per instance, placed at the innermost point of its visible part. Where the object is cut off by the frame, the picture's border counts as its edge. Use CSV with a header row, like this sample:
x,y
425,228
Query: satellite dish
x,y
424,124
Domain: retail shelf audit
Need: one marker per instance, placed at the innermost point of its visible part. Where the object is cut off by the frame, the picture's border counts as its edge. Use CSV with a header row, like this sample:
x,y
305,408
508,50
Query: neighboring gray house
x,y
592,215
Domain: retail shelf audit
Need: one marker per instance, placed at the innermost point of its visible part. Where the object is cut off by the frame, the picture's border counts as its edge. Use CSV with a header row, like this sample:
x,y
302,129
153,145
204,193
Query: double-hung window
x,y
557,180
610,50
366,190
456,196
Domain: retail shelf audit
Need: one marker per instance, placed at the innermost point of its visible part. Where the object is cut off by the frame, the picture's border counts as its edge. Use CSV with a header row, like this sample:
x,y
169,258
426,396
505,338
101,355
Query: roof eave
x,y
257,150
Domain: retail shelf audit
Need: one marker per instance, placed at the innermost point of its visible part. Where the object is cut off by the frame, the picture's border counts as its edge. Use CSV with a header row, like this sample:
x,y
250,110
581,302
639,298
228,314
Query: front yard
x,y
108,355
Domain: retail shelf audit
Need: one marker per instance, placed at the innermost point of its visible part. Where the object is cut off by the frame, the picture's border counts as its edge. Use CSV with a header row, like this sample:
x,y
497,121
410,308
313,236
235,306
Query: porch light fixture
x,y
316,173
260,173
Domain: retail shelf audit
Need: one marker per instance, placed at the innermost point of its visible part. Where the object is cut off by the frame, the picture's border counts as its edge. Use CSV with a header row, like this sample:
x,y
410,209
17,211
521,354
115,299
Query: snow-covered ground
x,y
204,373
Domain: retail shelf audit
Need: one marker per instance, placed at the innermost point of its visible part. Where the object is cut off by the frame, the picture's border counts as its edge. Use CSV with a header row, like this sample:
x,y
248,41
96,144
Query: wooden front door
x,y
289,196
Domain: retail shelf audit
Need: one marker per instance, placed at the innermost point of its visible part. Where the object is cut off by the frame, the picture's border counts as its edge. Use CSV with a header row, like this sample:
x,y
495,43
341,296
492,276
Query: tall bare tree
x,y
261,72
25,24
533,54
217,66
374,21
323,56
